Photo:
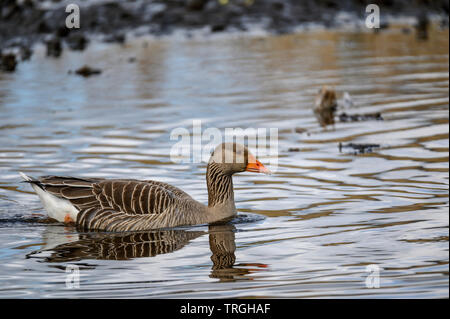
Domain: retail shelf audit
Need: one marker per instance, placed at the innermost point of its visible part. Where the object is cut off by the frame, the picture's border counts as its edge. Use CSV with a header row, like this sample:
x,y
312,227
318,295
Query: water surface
x,y
309,230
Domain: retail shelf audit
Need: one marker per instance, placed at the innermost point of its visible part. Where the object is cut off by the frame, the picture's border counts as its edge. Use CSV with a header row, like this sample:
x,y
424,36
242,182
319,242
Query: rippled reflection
x,y
65,247
76,247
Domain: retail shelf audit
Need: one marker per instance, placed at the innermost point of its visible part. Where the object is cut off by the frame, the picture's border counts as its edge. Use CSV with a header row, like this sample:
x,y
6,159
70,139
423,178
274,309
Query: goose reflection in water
x,y
222,244
67,247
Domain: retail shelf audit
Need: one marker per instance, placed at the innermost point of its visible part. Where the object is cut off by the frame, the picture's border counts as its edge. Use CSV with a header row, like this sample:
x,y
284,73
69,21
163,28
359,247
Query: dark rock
x,y
8,62
172,17
20,48
77,41
330,4
196,5
54,46
219,21
218,27
25,53
222,17
194,19
8,9
421,26
115,38
278,5
43,27
62,31
87,71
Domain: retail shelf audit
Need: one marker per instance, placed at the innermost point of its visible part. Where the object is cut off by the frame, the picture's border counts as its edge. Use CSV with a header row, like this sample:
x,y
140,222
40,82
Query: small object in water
x,y
132,59
87,71
77,41
325,106
294,149
54,47
300,130
344,117
358,148
8,62
422,26
347,101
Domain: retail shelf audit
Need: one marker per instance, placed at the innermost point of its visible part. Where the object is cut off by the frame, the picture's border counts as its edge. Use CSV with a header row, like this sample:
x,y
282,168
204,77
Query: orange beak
x,y
257,167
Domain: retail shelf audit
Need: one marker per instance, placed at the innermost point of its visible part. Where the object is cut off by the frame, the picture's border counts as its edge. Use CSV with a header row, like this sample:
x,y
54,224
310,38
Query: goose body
x,y
135,205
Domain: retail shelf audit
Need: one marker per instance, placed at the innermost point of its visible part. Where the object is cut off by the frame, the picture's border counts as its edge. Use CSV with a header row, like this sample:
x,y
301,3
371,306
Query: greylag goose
x,y
133,205
325,106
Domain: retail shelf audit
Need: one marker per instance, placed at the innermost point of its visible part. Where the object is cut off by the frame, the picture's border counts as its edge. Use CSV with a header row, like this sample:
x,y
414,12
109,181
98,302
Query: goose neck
x,y
220,187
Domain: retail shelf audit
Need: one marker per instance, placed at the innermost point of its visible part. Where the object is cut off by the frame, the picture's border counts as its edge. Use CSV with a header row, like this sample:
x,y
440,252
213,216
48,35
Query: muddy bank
x,y
25,22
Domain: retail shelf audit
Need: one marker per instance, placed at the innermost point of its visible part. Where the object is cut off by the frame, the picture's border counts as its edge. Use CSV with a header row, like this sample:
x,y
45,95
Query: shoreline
x,y
28,22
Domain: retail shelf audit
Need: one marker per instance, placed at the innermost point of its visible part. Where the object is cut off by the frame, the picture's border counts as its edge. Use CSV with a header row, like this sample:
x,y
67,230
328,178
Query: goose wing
x,y
104,203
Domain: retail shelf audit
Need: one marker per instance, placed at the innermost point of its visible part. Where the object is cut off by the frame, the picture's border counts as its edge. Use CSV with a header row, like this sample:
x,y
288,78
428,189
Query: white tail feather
x,y
25,177
57,208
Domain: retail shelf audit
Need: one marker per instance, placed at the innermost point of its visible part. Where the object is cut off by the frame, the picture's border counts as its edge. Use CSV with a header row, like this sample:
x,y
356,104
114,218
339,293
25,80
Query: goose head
x,y
232,158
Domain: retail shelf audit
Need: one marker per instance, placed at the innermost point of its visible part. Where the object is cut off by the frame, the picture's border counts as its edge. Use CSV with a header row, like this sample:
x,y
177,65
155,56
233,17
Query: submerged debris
x,y
300,130
8,62
358,148
87,71
344,117
30,219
